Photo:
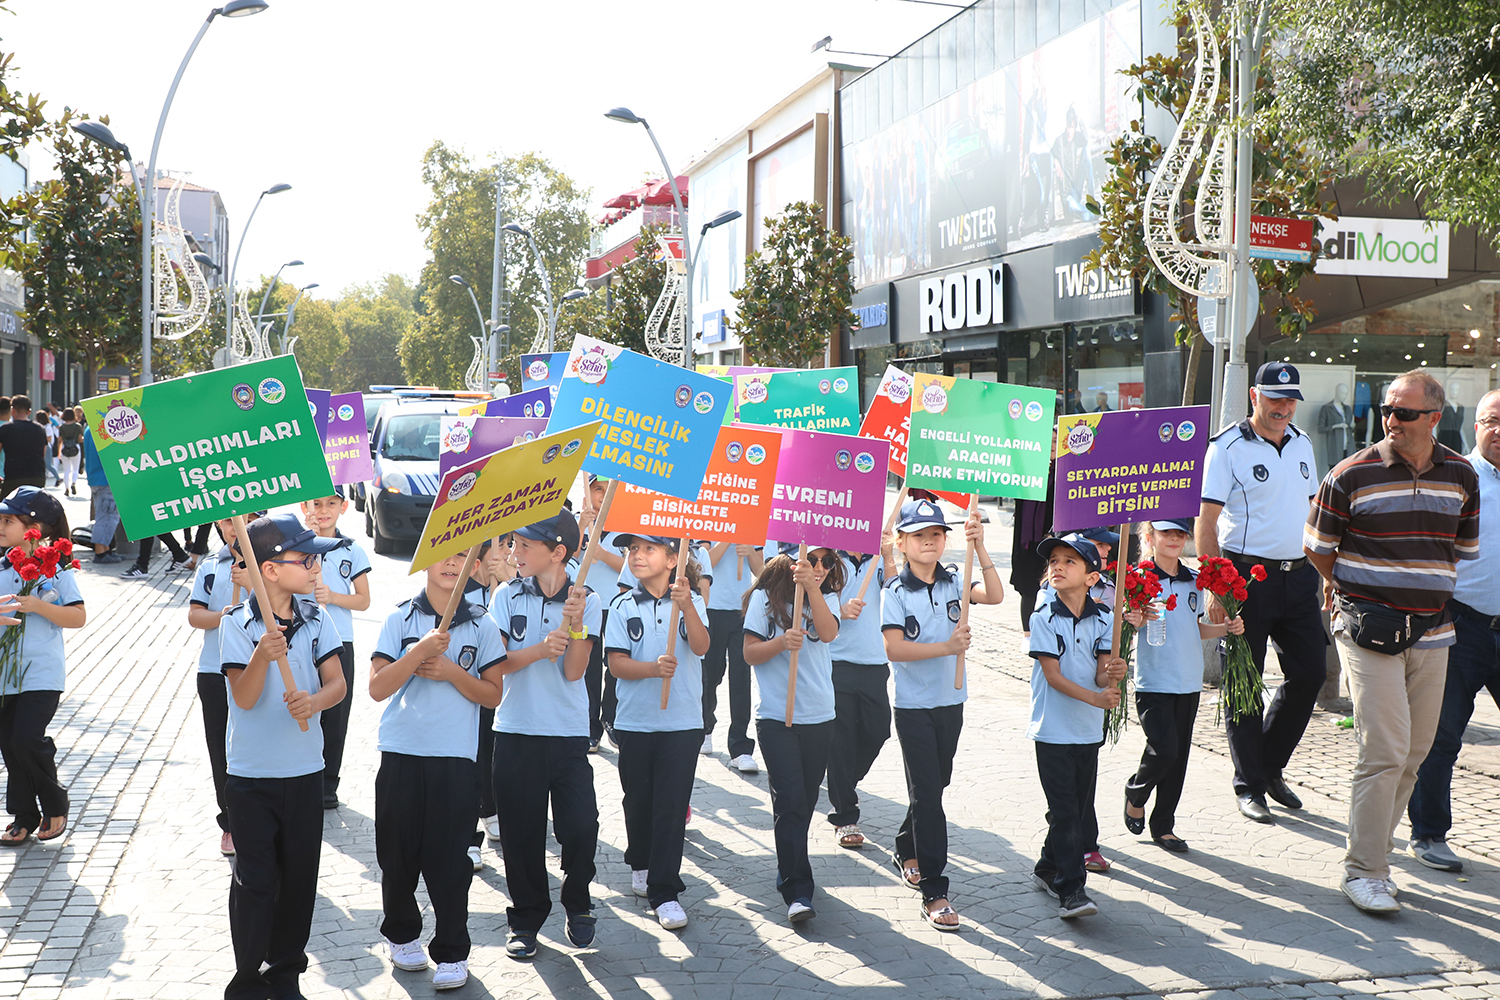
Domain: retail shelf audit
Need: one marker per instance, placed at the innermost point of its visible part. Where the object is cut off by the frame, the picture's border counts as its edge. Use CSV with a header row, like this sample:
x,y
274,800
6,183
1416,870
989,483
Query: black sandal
x,y
1171,842
15,835
1135,824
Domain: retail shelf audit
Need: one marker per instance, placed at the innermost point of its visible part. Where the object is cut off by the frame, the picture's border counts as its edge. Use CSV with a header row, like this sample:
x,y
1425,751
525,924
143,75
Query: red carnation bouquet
x,y
42,563
1241,690
1142,586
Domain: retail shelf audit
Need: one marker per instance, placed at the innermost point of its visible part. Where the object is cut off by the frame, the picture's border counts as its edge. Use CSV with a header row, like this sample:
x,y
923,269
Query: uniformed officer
x,y
1258,483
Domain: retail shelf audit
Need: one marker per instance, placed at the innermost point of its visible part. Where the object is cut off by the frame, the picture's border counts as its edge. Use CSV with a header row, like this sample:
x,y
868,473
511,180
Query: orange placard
x,y
733,506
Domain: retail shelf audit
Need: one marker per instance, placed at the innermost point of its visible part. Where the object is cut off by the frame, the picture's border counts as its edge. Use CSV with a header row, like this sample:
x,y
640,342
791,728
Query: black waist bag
x,y
1381,629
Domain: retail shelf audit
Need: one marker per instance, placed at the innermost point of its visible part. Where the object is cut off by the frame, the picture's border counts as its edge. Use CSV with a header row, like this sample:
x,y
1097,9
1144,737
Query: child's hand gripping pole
x,y
890,525
592,550
256,581
458,596
963,606
684,550
791,674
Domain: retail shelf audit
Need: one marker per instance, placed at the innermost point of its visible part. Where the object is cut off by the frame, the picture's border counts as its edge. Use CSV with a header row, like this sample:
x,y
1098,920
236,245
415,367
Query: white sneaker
x,y
638,882
450,975
708,745
745,764
671,915
408,956
799,911
492,828
1370,894
476,859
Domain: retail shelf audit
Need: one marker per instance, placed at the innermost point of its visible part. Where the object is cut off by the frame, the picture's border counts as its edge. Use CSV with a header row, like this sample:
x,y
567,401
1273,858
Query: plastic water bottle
x,y
1156,629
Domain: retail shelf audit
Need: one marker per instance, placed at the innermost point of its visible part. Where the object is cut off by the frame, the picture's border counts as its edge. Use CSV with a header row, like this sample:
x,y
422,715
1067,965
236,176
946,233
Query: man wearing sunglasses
x,y
1387,530
1474,660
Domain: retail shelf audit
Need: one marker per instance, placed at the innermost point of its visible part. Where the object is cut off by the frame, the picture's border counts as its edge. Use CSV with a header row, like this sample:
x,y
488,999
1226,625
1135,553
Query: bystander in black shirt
x,y
24,443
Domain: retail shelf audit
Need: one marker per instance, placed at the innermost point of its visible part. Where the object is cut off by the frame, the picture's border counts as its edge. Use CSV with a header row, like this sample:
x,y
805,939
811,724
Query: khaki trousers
x,y
1397,700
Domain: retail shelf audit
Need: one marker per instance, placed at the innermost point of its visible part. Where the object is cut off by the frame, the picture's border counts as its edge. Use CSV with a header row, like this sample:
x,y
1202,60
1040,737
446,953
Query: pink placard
x,y
830,490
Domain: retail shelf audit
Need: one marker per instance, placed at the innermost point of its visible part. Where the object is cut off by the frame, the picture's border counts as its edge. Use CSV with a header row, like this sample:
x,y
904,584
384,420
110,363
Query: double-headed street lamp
x,y
481,343
261,312
230,298
291,314
147,190
541,269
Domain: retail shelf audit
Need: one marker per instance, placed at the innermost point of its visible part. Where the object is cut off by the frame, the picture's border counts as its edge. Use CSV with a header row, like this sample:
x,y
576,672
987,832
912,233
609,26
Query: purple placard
x,y
317,402
347,440
531,403
1129,465
467,439
830,490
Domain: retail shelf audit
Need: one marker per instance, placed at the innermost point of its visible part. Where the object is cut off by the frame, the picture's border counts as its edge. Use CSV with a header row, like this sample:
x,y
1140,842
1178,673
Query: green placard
x,y
980,437
208,446
821,399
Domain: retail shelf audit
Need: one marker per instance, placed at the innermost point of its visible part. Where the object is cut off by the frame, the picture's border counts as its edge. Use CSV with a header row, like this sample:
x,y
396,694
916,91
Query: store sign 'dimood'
x,y
962,300
1392,248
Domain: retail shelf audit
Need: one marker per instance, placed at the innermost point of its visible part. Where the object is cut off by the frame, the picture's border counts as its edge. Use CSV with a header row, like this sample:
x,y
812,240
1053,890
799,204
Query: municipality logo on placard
x,y
462,485
899,389
824,385
683,396
1164,432
864,462
243,396
842,459
1186,430
572,446
528,410
1080,438
346,412
840,385
734,451
551,453
121,423
935,399
1033,411
1014,409
272,390
592,366
755,454
537,371
703,402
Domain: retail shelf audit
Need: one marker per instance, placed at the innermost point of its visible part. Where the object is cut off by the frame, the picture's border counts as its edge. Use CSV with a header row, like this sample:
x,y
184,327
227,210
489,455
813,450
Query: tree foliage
x,y
797,289
1405,93
460,229
374,318
21,118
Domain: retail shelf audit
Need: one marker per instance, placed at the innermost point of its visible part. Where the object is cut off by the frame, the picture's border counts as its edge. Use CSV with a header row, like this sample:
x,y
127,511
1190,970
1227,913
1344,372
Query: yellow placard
x,y
508,489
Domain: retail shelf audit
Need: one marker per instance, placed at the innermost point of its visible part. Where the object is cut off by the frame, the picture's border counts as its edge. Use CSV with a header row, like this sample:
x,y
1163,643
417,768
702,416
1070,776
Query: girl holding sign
x,y
796,750
920,612
658,742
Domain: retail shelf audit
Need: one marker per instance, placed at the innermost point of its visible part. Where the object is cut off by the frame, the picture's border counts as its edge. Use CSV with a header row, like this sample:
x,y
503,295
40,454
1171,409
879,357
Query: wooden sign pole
x,y
791,674
890,524
267,617
1122,549
963,607
592,550
684,551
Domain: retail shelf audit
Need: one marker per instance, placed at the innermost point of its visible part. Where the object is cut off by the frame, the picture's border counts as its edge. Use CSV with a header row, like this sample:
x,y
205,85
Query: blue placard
x,y
318,401
660,421
539,370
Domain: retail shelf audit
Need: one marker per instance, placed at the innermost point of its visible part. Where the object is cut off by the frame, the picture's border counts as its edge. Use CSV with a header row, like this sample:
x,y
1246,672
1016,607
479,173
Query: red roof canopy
x,y
653,193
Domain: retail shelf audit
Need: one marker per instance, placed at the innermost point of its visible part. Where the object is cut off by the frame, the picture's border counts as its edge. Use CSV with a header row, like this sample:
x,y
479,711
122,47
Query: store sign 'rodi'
x,y
963,300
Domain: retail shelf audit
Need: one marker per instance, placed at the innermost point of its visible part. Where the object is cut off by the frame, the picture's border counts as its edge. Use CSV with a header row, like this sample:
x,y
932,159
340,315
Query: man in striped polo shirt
x,y
1386,531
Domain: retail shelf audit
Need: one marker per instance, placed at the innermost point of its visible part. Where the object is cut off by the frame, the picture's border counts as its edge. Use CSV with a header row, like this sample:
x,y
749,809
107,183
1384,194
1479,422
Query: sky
x,y
340,98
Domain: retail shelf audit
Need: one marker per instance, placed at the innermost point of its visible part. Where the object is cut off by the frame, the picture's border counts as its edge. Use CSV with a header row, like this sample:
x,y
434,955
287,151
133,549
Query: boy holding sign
x,y
274,790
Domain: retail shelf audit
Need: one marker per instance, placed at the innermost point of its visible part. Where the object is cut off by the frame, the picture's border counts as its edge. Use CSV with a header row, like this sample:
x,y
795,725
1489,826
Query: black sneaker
x,y
1077,905
109,557
581,929
134,573
180,565
519,945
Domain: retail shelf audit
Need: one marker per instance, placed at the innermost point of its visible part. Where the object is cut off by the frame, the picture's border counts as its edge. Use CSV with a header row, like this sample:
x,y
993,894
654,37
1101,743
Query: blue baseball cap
x,y
671,544
1278,380
1173,524
1101,534
273,536
1083,546
919,514
559,529
35,503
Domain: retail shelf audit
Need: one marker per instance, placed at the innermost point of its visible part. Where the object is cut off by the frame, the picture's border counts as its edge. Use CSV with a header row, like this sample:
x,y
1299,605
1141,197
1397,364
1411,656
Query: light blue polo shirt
x,y
43,660
341,568
1101,593
1478,583
1075,643
212,589
427,717
814,667
728,591
539,699
637,627
265,741
859,641
1265,493
1176,666
925,613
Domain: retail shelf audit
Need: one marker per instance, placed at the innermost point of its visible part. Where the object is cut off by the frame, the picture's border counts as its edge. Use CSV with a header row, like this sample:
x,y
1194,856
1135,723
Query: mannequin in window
x,y
1336,423
1450,428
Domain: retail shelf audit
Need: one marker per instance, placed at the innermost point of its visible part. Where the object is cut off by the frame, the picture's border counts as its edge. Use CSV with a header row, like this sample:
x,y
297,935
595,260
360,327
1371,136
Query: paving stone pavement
x,y
133,904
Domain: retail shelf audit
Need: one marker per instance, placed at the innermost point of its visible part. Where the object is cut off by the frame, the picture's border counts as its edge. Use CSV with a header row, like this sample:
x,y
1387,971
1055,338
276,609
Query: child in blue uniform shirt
x,y
1072,685
796,755
657,746
920,610
862,708
1168,681
212,597
342,587
275,786
734,568
425,801
542,733
33,795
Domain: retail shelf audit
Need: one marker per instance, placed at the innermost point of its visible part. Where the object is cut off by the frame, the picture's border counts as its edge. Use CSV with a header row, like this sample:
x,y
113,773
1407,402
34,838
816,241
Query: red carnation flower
x,y
64,546
1172,602
76,565
16,555
1258,571
33,534
28,571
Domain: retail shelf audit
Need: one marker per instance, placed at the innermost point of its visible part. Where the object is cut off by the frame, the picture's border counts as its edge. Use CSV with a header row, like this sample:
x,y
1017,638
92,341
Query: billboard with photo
x,y
1000,165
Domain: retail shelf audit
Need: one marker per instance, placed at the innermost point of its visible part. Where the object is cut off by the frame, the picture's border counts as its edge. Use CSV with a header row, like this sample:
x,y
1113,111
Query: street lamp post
x,y
484,339
229,292
628,117
541,269
291,314
261,312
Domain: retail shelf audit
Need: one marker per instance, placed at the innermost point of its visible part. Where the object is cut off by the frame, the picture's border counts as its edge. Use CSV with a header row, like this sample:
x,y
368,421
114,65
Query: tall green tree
x,y
634,289
460,229
797,290
1404,93
21,119
374,318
